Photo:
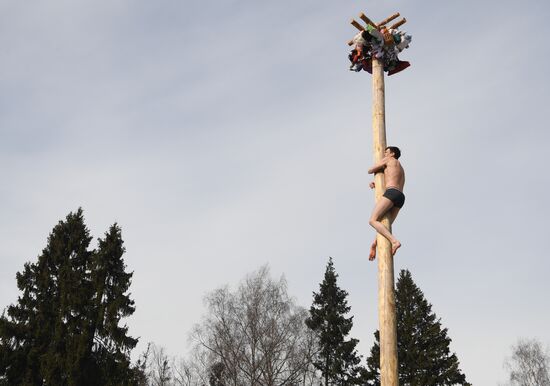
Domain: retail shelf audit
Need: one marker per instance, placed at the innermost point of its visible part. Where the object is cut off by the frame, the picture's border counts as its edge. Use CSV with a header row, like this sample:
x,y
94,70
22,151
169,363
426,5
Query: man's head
x,y
394,150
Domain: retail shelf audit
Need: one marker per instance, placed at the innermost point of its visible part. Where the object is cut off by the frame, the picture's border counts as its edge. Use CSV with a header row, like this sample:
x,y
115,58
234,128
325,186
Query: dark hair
x,y
395,150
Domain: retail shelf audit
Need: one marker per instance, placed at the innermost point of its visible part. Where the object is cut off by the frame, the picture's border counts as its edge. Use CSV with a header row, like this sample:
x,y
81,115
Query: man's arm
x,y
379,166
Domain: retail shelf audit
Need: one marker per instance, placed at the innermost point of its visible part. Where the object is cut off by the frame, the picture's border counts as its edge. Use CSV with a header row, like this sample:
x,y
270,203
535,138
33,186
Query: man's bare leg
x,y
380,209
394,211
372,253
394,247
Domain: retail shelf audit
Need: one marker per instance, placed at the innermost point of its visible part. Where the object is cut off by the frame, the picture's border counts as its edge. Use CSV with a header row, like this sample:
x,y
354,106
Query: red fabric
x,y
401,65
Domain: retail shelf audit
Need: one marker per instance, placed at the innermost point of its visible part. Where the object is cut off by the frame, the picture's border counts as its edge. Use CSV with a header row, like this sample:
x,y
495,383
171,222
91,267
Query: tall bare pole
x,y
386,293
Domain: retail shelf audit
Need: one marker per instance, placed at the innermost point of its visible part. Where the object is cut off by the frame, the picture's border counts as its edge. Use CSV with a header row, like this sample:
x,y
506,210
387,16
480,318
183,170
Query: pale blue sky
x,y
222,136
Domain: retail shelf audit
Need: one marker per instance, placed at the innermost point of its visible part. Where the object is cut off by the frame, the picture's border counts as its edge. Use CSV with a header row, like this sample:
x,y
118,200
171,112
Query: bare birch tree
x,y
192,371
156,367
255,335
161,371
529,364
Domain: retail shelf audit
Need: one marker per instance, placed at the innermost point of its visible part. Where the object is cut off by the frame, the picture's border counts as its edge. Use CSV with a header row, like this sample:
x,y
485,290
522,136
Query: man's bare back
x,y
393,199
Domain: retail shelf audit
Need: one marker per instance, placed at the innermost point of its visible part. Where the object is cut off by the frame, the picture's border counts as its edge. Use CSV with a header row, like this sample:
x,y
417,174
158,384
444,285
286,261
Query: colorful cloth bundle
x,y
384,44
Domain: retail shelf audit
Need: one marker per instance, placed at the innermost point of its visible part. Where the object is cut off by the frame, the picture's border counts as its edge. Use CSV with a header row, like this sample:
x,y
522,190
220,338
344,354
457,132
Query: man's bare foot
x,y
395,246
372,254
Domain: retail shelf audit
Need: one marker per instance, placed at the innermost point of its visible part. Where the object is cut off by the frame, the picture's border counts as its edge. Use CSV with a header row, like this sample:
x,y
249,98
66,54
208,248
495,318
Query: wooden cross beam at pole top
x,y
367,21
386,291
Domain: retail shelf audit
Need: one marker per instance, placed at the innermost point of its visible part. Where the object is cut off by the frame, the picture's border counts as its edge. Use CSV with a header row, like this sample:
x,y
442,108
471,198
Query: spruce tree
x,y
337,358
422,344
64,328
110,349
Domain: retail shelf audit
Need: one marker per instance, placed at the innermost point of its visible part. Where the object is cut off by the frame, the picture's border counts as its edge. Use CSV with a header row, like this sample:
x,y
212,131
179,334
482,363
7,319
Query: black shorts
x,y
395,196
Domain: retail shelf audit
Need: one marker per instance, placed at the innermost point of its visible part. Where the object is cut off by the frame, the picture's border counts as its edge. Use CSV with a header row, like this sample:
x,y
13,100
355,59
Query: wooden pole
x,y
386,292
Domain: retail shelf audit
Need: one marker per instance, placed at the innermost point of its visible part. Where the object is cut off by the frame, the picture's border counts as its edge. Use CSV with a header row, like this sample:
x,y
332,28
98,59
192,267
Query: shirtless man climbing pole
x,y
393,198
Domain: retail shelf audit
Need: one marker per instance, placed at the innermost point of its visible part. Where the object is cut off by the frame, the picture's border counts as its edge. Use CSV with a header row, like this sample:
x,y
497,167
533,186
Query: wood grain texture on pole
x,y
386,292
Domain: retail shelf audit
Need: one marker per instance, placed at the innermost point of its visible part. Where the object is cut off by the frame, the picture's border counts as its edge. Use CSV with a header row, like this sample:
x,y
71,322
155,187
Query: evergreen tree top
x,y
65,327
423,345
337,358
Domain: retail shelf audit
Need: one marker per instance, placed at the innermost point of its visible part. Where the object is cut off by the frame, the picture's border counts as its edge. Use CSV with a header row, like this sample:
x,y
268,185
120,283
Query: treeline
x,y
67,328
